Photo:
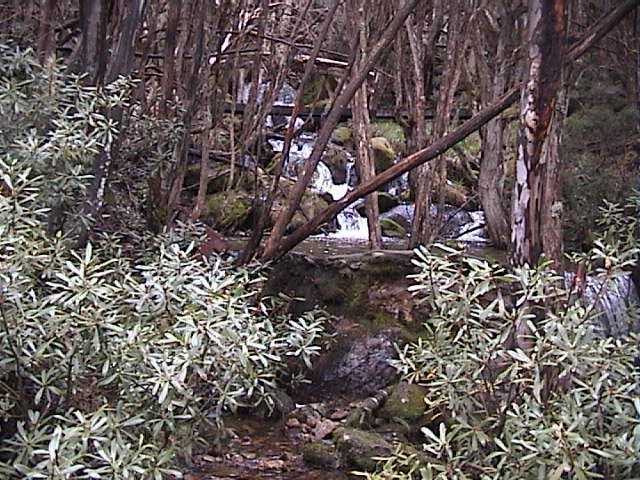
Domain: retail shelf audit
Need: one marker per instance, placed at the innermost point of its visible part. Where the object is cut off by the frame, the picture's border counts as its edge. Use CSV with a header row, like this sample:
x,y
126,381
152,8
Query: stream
x,y
261,449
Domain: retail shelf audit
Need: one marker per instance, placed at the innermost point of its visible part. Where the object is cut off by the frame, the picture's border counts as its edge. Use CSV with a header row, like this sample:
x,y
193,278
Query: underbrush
x,y
112,366
521,382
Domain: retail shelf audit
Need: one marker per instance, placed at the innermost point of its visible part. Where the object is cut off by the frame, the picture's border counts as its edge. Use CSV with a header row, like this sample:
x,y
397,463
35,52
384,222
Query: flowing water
x,y
470,226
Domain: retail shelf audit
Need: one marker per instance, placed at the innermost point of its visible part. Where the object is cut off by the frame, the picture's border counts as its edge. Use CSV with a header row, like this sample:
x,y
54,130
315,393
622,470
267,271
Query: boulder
x,y
455,221
392,131
402,216
390,228
383,153
321,454
358,366
386,202
406,402
342,135
227,211
337,159
359,448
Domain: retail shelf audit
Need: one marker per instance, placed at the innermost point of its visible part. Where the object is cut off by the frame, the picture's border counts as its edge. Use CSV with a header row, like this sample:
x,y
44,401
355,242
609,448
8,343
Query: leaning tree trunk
x,y
361,121
333,117
441,145
546,36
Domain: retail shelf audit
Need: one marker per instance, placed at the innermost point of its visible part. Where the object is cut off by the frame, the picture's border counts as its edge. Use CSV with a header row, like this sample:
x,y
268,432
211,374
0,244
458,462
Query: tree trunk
x,y
422,45
45,30
366,166
431,178
546,37
170,43
361,121
121,63
493,67
93,54
552,244
491,182
193,99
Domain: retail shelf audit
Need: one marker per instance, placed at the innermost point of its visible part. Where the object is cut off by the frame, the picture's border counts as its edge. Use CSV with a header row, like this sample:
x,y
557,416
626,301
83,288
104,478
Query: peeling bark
x,y
546,40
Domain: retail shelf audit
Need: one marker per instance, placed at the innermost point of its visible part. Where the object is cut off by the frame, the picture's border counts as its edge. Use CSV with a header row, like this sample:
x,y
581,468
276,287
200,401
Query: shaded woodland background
x,y
207,76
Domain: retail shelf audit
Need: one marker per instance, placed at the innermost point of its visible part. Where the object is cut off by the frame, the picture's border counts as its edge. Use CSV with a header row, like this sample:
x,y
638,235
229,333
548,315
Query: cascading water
x,y
475,231
351,225
616,303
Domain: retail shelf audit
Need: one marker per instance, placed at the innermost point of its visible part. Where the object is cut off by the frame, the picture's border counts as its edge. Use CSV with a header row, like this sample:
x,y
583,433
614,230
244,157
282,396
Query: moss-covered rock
x,y
383,153
311,204
391,228
321,454
392,131
227,211
386,202
406,402
358,448
337,159
342,135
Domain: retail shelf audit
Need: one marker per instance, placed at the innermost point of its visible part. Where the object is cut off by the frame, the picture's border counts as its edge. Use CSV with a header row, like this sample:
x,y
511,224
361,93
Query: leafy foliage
x,y
521,384
111,366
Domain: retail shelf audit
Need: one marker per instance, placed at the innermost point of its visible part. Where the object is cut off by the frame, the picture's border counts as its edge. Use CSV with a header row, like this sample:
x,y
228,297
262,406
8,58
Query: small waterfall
x,y
475,231
352,226
616,305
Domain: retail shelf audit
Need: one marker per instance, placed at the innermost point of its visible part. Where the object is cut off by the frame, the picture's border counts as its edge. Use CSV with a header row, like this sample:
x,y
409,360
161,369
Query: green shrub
x,y
111,366
521,384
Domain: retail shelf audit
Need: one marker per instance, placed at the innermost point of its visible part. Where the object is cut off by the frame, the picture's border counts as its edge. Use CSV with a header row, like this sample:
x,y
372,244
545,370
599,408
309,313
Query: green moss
x,y
472,145
359,449
228,210
342,134
405,403
391,228
392,131
383,153
382,319
320,454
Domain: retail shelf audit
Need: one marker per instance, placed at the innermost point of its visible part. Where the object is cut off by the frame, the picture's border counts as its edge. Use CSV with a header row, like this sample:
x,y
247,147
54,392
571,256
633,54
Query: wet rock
x,y
390,228
454,221
358,448
337,160
359,366
401,215
386,202
406,402
383,153
311,204
320,454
